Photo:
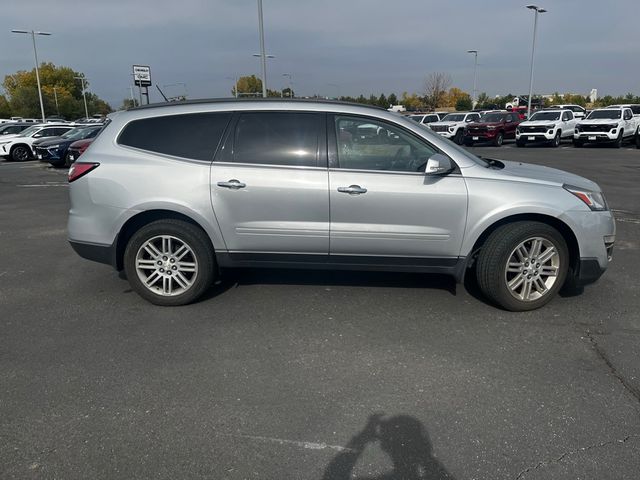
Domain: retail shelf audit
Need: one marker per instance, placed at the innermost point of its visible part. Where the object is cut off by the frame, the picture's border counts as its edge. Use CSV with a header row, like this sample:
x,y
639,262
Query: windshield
x,y
454,117
545,116
492,117
30,131
73,133
612,114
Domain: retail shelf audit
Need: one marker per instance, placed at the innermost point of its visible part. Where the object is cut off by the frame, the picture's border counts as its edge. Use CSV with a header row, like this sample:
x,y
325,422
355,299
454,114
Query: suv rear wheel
x,y
170,262
523,265
499,139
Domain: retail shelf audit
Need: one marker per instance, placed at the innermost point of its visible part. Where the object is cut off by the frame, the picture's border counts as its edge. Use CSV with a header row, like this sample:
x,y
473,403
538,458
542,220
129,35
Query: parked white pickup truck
x,y
607,125
546,126
452,125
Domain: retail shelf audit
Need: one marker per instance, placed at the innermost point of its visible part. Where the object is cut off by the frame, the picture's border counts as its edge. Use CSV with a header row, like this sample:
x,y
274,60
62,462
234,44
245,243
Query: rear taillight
x,y
83,148
80,169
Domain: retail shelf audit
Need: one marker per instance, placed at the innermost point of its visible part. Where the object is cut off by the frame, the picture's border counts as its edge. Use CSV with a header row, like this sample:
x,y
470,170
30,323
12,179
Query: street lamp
x,y
263,55
35,54
289,76
533,51
475,76
84,96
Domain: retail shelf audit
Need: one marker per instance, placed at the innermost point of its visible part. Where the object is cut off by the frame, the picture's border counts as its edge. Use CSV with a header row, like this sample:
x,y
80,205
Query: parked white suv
x,y
546,126
452,125
607,125
426,118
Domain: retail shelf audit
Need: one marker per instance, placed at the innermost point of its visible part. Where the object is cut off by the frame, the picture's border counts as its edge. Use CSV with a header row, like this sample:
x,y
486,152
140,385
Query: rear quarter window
x,y
195,135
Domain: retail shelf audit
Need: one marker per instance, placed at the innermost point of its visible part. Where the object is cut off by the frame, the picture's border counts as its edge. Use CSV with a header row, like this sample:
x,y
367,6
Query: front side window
x,y
277,138
366,144
195,136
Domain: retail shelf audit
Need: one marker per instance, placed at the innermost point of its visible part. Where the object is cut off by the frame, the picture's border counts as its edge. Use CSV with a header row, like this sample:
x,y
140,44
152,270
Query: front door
x,y
382,204
269,185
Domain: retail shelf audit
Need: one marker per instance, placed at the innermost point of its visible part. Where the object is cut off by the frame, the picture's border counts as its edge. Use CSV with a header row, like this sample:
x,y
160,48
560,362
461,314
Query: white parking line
x,y
50,184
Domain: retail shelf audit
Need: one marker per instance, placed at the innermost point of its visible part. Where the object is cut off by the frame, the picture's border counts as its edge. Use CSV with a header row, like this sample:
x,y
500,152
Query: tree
x,y
5,109
382,101
393,99
464,103
288,93
247,86
435,88
60,82
412,102
452,96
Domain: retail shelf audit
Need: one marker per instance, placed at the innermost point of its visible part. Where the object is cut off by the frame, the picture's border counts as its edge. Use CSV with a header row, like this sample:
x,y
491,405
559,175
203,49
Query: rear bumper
x,y
95,252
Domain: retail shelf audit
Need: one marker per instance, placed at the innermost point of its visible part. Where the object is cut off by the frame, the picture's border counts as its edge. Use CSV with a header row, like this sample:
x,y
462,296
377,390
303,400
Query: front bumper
x,y
447,134
480,136
596,136
535,137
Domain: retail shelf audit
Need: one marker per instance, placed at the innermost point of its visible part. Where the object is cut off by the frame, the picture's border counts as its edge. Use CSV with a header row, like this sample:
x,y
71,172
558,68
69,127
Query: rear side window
x,y
277,138
193,135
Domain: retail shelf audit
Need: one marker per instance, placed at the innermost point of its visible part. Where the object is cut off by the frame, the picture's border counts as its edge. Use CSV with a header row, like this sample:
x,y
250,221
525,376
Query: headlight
x,y
518,131
550,127
594,200
452,129
578,128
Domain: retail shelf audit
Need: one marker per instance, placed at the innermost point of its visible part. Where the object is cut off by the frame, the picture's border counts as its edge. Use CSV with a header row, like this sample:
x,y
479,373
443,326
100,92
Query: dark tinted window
x,y
635,109
193,135
277,138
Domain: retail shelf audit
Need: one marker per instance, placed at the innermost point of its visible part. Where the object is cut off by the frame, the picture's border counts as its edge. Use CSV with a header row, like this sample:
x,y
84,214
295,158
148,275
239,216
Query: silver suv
x,y
174,193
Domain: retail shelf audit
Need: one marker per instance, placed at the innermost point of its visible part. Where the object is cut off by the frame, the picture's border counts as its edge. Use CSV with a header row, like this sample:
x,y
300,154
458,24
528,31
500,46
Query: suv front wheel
x,y
522,265
170,262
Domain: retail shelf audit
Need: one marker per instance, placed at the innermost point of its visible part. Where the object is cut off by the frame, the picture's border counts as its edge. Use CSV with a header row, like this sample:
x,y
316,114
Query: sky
x,y
330,47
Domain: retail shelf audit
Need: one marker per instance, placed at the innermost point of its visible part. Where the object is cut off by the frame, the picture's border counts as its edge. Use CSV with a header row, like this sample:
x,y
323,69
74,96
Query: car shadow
x,y
403,439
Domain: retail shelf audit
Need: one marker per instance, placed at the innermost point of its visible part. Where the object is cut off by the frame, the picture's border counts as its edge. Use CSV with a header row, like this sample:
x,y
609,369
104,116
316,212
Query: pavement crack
x,y
603,355
546,463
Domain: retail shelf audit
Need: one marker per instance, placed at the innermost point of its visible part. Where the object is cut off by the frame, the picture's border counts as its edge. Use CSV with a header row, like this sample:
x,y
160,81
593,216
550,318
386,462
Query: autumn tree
x,y
435,88
22,93
412,102
249,85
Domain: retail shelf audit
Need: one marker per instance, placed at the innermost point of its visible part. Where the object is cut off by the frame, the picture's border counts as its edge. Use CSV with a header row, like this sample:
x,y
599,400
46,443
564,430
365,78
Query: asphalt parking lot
x,y
313,375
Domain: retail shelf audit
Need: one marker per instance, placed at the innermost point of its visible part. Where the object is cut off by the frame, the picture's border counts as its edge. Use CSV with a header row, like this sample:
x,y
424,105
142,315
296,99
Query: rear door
x,y
381,202
269,185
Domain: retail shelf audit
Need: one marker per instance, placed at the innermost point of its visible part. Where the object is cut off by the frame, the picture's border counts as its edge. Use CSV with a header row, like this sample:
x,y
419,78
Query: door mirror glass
x,y
438,164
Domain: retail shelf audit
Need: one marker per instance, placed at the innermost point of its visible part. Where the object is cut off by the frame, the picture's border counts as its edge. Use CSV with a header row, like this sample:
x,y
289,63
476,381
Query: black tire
x,y
618,142
458,136
203,255
578,143
520,143
638,139
555,143
499,139
20,153
495,255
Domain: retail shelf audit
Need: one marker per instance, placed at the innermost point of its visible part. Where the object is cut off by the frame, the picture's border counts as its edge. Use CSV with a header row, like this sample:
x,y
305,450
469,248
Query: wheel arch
x,y
135,223
564,229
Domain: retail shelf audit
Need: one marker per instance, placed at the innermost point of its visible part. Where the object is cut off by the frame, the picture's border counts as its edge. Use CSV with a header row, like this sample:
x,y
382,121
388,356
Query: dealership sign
x,y
142,75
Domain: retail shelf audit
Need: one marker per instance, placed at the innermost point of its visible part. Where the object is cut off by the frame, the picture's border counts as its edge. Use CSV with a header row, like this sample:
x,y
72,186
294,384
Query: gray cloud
x,y
364,46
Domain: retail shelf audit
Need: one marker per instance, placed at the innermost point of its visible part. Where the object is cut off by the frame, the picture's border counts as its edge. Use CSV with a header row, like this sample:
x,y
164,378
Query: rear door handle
x,y
232,184
352,190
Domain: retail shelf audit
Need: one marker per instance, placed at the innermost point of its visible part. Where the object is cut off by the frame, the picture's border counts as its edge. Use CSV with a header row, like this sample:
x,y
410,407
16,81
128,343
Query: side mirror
x,y
438,164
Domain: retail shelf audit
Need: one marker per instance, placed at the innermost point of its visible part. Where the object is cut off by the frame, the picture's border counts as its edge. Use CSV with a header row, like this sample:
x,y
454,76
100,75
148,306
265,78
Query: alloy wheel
x,y
532,269
166,265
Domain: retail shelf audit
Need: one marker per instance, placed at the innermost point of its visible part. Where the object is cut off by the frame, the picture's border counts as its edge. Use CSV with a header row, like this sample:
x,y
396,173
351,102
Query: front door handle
x,y
352,190
232,184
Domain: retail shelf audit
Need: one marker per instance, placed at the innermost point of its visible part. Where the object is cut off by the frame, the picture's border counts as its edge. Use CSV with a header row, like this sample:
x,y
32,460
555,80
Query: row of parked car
x,y
613,125
60,144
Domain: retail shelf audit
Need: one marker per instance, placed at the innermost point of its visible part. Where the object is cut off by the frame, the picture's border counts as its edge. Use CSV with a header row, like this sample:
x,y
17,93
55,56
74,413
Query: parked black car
x,y
11,128
54,150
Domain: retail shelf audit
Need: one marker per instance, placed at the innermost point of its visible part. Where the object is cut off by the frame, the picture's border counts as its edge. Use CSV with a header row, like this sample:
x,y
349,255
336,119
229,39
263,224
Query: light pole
x,y
55,96
533,51
84,96
263,63
263,56
35,54
475,76
288,75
